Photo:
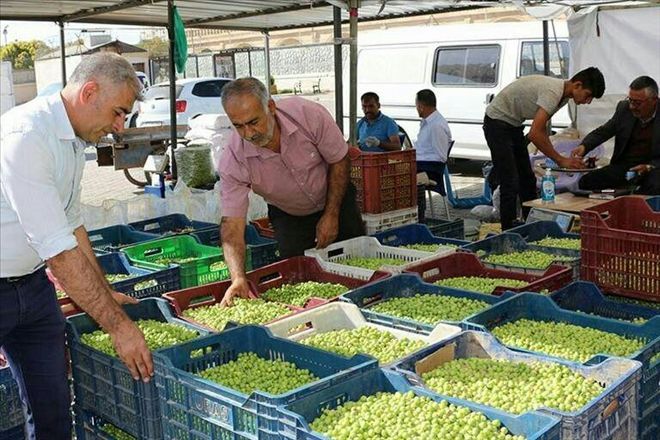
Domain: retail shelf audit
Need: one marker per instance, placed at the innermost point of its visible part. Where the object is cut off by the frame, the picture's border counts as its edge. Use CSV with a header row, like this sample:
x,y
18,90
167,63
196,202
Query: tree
x,y
156,46
23,53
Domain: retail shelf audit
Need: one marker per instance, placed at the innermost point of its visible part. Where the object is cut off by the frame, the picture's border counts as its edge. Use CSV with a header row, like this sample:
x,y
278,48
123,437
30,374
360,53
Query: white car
x,y
194,96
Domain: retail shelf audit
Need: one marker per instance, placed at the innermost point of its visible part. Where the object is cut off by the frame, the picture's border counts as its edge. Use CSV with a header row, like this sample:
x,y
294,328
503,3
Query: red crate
x,y
264,227
301,269
621,247
384,181
464,264
206,295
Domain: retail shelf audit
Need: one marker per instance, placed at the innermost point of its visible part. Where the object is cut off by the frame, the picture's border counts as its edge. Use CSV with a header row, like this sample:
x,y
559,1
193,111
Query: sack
x,y
194,164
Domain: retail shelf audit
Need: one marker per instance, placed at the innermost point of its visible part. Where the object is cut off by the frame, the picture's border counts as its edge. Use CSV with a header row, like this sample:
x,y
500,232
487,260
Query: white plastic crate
x,y
390,219
345,316
369,247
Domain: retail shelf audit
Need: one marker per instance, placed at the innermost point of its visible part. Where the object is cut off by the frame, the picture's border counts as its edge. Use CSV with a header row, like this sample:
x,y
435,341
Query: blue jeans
x,y
32,337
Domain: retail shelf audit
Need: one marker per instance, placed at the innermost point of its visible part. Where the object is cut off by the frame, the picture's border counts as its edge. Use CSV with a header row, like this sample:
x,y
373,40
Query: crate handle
x,y
153,251
299,328
150,226
371,299
96,237
335,252
270,277
610,409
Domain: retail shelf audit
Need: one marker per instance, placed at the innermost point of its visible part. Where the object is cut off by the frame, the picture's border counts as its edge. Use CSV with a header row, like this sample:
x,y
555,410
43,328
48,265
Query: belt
x,y
20,278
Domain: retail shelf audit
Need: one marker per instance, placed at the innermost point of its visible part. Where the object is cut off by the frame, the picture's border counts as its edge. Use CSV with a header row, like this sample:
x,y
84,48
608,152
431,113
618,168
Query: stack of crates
x,y
621,247
386,188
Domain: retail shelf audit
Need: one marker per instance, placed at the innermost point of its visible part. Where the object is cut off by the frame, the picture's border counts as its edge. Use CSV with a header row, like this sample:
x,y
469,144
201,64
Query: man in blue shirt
x,y
375,131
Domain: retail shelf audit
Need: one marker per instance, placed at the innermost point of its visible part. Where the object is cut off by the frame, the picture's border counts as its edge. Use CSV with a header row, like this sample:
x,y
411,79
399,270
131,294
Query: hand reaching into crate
x,y
326,230
239,287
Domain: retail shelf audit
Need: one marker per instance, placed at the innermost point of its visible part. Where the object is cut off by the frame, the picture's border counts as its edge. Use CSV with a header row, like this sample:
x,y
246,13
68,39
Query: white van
x,y
465,65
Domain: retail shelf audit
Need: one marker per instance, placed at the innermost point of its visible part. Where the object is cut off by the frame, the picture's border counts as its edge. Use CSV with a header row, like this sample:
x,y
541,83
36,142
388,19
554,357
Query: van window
x,y
531,58
469,66
208,89
398,65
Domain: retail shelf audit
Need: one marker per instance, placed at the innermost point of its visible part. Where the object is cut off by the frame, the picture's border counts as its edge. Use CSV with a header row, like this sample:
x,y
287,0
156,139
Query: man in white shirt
x,y
433,140
41,162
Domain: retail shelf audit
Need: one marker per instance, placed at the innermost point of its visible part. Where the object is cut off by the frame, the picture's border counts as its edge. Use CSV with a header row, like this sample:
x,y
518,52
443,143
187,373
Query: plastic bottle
x,y
548,187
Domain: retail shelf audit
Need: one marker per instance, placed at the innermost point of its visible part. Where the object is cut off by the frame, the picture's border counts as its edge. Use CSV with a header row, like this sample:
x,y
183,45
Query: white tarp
x,y
623,44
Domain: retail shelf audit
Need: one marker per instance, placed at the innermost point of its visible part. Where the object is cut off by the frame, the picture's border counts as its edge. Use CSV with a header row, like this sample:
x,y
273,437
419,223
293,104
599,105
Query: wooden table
x,y
566,202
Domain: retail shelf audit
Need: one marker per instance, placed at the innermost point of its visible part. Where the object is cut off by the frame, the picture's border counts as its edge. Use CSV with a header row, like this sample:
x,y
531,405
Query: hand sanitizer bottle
x,y
548,187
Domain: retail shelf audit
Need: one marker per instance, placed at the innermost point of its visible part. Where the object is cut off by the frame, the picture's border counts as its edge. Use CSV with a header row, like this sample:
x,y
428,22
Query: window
x,y
469,66
208,89
531,59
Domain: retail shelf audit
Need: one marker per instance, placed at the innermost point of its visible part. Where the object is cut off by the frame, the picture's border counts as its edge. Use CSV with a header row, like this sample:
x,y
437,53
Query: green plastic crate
x,y
193,273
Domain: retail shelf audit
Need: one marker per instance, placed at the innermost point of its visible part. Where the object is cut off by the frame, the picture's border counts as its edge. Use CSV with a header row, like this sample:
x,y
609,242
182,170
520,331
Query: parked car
x,y
194,96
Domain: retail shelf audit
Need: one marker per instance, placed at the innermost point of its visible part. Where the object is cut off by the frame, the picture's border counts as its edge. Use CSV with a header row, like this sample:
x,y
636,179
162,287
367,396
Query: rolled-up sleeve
x,y
234,190
28,186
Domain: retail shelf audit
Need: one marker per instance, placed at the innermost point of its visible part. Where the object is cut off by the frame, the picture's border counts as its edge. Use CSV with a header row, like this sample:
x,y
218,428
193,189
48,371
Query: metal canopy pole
x,y
267,59
546,49
62,53
353,21
170,34
339,83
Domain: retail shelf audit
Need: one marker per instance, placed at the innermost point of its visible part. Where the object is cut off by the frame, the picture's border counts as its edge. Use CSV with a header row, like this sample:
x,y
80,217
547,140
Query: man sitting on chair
x,y
375,131
433,140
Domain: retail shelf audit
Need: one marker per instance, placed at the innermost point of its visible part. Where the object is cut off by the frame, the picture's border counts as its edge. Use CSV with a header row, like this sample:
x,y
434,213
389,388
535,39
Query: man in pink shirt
x,y
295,157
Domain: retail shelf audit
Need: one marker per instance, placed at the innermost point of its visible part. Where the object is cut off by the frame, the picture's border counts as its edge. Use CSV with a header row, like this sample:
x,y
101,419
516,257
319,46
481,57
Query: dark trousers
x,y
32,337
294,233
511,164
614,176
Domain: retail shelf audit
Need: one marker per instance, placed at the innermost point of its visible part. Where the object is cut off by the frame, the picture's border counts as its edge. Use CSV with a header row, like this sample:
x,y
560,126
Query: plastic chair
x,y
316,88
406,143
486,198
439,187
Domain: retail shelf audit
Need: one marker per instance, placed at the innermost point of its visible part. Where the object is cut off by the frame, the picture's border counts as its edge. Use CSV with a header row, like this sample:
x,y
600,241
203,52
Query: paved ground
x,y
103,183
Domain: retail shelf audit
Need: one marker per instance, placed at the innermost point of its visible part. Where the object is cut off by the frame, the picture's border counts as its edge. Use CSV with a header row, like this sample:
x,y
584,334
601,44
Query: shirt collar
x,y
431,117
64,128
378,118
287,128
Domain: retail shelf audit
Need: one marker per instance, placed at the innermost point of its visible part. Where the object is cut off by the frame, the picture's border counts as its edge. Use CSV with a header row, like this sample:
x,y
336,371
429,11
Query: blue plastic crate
x,y
166,280
171,224
264,251
11,411
89,426
296,416
103,385
508,243
595,420
536,307
196,408
586,297
405,286
536,231
413,234
446,228
113,238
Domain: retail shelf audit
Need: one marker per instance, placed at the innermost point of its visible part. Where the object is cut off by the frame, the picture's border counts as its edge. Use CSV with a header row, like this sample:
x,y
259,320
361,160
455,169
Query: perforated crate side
x,y
171,224
296,416
612,414
621,247
102,383
262,250
467,264
11,412
186,397
413,234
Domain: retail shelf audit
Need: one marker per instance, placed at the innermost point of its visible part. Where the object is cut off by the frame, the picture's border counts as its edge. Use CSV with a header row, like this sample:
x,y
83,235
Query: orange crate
x,y
384,181
264,227
621,247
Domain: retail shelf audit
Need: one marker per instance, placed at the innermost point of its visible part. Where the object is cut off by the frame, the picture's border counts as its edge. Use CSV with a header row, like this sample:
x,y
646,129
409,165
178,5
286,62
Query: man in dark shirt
x,y
636,128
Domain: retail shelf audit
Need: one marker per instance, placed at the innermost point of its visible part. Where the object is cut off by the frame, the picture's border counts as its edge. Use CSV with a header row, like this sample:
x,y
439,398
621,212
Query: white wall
x,y
50,71
7,98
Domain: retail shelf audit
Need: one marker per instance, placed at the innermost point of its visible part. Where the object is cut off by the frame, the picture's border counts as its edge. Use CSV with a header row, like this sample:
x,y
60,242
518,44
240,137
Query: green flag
x,y
180,43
